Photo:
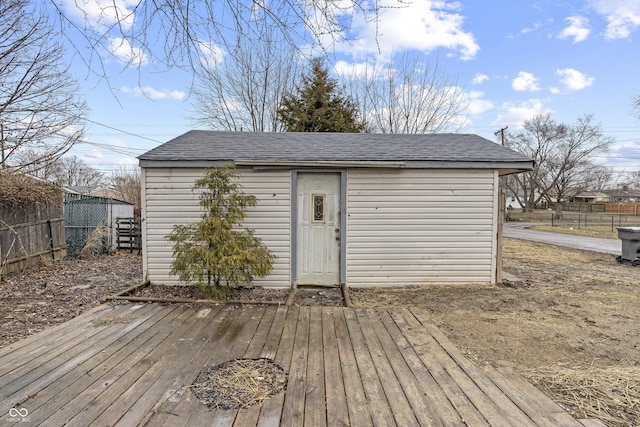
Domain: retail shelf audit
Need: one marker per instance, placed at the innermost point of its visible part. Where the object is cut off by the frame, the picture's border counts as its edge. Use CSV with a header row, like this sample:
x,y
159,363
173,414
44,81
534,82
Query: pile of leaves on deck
x,y
610,394
239,383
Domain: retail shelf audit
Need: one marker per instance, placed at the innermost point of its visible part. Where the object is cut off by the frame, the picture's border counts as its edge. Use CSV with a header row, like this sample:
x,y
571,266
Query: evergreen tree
x,y
318,106
216,253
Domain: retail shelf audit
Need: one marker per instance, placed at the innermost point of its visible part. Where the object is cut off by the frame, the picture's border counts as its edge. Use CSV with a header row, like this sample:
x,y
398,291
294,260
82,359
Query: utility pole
x,y
2,165
501,132
502,213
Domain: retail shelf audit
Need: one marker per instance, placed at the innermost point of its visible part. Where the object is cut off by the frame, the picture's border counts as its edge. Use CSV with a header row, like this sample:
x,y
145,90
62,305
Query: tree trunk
x,y
558,213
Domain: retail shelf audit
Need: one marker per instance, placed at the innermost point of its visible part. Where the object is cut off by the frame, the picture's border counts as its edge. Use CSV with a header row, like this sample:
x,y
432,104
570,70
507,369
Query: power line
x,y
123,131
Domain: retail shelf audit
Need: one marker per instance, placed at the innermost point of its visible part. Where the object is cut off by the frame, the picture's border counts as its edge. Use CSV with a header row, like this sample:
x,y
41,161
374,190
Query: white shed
x,y
360,209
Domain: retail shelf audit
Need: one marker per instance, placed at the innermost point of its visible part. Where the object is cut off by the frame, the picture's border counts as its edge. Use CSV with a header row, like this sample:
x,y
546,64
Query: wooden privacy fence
x,y
623,208
30,234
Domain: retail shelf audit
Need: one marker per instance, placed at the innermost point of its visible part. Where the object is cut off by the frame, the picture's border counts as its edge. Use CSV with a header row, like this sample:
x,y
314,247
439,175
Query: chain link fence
x,y
82,216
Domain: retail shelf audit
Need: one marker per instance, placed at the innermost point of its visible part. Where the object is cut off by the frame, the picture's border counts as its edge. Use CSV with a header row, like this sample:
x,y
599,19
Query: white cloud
x,y
423,25
476,103
93,154
479,78
212,55
525,82
623,16
515,114
154,94
101,14
536,26
532,29
358,69
578,29
574,79
126,161
125,53
624,154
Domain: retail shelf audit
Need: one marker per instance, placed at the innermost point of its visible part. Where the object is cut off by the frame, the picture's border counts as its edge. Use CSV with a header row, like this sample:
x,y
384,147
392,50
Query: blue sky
x,y
513,59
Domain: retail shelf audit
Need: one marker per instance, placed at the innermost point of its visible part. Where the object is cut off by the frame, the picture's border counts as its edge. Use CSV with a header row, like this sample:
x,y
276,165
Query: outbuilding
x,y
360,209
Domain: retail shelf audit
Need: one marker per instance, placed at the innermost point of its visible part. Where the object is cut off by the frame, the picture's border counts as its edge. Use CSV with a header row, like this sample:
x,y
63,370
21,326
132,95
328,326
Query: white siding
x,y
169,200
411,227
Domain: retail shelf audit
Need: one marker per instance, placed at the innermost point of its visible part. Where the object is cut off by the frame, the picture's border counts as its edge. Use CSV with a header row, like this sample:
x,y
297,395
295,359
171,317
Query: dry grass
x,y
611,395
603,231
239,383
95,244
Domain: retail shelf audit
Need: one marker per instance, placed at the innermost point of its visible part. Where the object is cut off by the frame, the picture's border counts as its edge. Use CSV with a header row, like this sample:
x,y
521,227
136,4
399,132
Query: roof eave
x,y
505,168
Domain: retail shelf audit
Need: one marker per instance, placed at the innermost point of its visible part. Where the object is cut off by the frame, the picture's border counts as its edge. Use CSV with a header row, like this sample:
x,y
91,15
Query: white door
x,y
318,229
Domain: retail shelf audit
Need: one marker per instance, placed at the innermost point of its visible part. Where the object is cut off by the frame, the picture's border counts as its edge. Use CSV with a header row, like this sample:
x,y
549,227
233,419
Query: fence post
x,y
53,252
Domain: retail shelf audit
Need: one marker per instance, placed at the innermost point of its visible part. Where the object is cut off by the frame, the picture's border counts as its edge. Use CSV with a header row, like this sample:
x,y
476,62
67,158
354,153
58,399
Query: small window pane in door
x,y
318,208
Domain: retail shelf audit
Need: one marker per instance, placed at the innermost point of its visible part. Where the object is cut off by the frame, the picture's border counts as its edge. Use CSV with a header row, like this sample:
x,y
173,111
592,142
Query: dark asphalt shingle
x,y
202,145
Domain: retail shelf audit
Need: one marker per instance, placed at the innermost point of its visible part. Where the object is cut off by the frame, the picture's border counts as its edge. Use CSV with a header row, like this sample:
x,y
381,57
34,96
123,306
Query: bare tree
x,y
170,32
408,95
563,155
633,178
73,171
40,108
240,86
597,177
66,171
37,164
126,181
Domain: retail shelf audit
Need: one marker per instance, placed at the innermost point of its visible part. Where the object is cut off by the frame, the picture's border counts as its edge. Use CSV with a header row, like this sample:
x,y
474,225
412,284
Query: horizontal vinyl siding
x,y
411,227
169,200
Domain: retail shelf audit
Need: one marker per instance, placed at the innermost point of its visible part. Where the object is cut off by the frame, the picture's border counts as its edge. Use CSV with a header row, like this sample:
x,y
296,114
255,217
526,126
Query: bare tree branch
x,y
169,32
39,104
409,95
563,154
240,86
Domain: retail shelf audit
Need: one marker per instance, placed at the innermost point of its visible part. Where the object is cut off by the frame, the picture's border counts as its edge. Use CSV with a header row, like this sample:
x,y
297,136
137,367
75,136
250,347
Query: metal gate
x,y
82,215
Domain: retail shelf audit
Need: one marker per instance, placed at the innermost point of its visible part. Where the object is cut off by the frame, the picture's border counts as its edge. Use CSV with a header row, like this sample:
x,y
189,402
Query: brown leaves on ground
x,y
55,292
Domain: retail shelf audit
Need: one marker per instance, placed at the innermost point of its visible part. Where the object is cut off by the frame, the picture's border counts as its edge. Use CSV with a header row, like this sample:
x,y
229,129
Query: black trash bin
x,y
630,237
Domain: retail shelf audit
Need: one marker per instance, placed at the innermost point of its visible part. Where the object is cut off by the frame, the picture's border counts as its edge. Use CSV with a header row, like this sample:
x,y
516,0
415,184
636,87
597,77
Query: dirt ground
x,y
571,325
56,292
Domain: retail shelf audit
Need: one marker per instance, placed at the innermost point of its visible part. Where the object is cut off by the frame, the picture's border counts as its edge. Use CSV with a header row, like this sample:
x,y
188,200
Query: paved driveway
x,y
519,230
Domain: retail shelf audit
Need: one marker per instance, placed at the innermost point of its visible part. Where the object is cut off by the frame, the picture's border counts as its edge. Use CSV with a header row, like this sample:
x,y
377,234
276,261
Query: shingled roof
x,y
416,150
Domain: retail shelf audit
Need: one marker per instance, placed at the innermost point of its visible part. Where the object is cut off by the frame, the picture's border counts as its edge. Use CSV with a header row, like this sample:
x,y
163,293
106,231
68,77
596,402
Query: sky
x,y
512,59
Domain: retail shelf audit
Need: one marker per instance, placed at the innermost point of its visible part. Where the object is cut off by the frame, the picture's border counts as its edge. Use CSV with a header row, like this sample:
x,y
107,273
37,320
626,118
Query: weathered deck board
x,y
314,404
93,370
350,375
375,367
336,399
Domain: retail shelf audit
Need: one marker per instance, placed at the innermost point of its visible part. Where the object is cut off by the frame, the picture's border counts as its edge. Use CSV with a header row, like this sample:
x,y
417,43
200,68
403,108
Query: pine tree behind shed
x,y
319,106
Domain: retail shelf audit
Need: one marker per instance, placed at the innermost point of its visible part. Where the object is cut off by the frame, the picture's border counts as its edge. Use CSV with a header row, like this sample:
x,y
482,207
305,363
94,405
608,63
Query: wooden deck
x,y
130,365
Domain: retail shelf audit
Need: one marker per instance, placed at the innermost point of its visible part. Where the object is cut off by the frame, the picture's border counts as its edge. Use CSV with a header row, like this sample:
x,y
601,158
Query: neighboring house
x,y
586,197
624,194
360,209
